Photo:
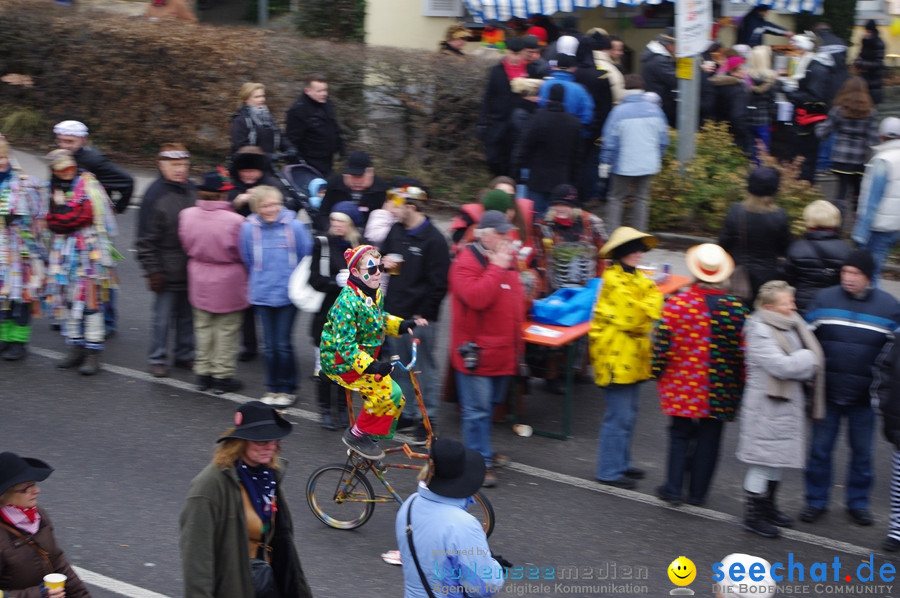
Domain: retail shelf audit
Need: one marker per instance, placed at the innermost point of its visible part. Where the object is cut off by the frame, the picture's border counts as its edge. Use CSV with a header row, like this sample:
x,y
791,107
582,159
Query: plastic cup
x,y
53,581
398,260
523,430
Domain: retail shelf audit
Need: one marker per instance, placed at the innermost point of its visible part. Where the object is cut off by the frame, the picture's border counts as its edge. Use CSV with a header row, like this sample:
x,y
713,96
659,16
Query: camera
x,y
470,353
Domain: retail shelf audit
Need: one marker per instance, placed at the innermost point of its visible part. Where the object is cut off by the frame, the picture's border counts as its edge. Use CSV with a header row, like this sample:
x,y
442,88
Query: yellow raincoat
x,y
627,309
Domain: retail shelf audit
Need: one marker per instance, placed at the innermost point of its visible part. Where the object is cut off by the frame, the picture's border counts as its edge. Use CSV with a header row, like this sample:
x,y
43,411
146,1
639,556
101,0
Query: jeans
x,y
476,399
109,312
278,324
760,133
880,244
693,449
169,306
426,370
614,446
620,187
541,201
860,430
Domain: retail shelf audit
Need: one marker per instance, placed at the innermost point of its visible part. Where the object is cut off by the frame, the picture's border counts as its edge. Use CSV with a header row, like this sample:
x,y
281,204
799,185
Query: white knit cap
x,y
71,127
567,44
763,588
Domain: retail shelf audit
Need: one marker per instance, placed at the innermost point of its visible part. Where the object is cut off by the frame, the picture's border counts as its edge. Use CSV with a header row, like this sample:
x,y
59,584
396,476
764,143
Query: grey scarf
x,y
780,389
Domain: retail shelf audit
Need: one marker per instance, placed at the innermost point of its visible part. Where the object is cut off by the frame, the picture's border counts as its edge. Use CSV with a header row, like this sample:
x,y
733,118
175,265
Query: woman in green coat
x,y
235,511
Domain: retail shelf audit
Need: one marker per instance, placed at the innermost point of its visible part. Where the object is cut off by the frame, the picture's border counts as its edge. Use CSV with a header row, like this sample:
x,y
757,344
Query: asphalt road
x,y
126,445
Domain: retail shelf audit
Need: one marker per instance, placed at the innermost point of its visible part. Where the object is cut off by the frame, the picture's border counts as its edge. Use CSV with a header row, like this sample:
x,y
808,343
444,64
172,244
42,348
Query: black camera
x,y
470,353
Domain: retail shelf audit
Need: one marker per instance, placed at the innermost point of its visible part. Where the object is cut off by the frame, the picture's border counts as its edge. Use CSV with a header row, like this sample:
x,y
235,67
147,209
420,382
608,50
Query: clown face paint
x,y
370,271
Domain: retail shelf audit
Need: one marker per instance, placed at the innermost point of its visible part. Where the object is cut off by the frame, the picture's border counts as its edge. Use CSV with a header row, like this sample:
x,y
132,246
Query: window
x,y
442,8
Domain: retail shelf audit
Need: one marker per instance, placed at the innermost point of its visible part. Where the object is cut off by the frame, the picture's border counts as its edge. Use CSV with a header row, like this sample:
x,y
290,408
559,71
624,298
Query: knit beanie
x,y
353,254
763,181
351,210
862,259
497,200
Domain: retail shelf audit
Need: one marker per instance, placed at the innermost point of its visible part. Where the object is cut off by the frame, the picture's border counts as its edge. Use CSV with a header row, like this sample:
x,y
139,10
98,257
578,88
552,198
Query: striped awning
x,y
502,10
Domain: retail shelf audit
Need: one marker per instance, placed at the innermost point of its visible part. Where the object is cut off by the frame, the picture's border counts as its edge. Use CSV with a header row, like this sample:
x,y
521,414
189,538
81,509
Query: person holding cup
x,y
27,566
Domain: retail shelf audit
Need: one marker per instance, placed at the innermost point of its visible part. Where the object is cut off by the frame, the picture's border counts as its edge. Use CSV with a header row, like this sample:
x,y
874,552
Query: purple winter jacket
x,y
217,277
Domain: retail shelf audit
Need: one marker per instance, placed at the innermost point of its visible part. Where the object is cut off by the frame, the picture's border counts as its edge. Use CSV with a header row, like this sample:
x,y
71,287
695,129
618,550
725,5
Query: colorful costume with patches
x,y
21,255
351,341
81,267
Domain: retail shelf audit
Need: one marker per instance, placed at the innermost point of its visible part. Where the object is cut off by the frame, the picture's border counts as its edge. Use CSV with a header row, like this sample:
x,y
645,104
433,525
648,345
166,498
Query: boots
x,y
325,403
74,357
755,516
773,515
13,351
91,364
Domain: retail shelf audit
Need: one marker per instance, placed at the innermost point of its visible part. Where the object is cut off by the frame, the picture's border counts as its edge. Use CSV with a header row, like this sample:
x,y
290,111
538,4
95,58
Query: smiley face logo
x,y
682,571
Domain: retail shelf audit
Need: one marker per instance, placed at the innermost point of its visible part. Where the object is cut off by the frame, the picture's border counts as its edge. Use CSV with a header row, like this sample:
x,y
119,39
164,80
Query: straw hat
x,y
623,235
709,262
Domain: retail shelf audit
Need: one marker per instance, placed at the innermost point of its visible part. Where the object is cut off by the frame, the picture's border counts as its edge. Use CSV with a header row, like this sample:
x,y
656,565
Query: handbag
x,y
301,293
264,585
568,306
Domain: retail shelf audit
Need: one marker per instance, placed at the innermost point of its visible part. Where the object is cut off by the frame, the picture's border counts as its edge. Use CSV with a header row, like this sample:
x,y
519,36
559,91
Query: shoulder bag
x,y
412,547
301,293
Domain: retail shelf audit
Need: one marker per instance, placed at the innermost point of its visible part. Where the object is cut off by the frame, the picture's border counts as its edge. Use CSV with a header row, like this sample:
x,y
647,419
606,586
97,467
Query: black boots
x,y
762,515
773,515
13,351
91,362
74,357
755,519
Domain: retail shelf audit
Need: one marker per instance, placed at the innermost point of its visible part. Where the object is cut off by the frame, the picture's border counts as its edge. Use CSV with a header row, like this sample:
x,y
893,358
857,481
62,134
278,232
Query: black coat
x,y
245,132
732,96
870,65
551,148
756,240
421,285
326,283
596,82
887,378
111,176
814,263
313,129
495,121
658,70
239,188
159,250
368,200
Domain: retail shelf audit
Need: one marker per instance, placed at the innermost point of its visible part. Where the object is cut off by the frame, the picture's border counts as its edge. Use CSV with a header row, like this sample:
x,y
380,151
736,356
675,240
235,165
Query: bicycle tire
x,y
322,490
483,511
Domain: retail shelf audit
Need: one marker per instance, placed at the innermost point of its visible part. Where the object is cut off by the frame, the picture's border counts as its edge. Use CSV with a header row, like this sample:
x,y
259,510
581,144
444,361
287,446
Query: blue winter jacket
x,y
451,547
271,252
852,333
635,137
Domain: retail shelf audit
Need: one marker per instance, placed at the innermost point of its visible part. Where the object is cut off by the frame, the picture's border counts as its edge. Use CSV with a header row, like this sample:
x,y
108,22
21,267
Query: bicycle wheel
x,y
483,512
340,496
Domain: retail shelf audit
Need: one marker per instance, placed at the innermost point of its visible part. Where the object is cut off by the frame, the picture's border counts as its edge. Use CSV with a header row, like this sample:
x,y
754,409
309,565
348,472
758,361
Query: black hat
x,y
515,44
458,471
15,470
565,61
257,421
763,181
357,163
862,259
564,193
531,42
216,181
557,93
667,36
249,160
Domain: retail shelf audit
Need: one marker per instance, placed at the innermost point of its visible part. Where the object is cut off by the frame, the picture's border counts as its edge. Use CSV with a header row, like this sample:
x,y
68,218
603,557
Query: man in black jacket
x,y
119,185
312,126
358,184
418,254
164,260
658,70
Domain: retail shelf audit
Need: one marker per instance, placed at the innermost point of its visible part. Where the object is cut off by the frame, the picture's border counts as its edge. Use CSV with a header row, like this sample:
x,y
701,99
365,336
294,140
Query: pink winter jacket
x,y
217,277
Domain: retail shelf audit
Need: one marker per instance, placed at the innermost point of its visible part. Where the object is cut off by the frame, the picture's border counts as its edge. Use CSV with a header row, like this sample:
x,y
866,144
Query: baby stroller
x,y
297,178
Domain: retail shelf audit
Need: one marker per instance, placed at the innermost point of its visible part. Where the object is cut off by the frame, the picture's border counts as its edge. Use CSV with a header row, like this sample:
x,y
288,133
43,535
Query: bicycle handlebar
x,y
395,359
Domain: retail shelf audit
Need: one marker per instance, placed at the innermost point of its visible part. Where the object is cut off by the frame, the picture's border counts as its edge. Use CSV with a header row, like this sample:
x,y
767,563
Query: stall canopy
x,y
501,10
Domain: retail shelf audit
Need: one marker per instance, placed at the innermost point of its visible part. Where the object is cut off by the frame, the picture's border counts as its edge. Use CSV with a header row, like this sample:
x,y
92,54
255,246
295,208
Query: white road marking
x,y
125,589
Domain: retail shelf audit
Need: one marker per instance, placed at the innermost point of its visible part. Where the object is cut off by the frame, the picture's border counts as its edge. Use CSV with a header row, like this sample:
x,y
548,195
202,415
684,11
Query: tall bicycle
x,y
341,496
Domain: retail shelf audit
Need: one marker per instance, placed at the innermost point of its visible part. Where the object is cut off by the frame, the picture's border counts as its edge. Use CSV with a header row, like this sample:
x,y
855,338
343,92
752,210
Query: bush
x,y
137,84
697,200
343,20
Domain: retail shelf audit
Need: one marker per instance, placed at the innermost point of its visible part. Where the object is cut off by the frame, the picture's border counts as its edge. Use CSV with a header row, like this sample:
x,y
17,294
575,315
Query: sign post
x,y
693,20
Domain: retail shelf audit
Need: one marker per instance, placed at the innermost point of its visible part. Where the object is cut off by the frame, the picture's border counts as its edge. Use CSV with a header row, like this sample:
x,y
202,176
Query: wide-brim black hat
x,y
458,471
257,421
15,470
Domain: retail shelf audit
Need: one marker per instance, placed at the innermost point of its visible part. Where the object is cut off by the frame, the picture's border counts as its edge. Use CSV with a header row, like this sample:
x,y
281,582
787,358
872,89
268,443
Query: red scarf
x,y
27,520
512,72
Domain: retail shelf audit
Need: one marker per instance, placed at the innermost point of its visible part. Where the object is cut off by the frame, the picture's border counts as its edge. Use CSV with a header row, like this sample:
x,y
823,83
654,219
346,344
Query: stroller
x,y
296,179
